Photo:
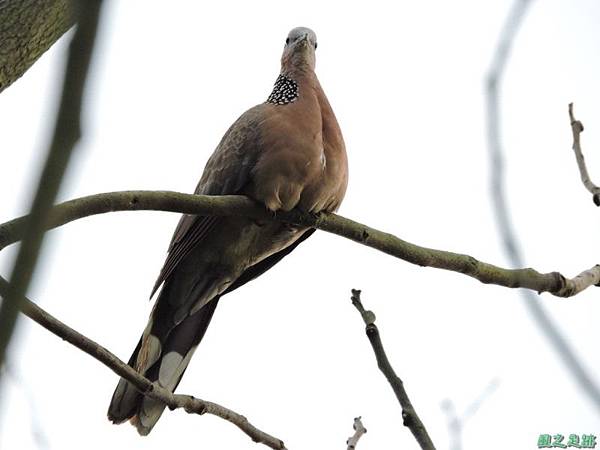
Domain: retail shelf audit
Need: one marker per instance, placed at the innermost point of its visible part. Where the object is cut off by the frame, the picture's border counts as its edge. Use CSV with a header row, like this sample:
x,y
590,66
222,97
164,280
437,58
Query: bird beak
x,y
304,40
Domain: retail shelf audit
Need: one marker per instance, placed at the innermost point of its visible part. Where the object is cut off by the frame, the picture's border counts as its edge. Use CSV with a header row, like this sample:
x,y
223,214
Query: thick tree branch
x,y
553,282
173,401
66,135
577,128
508,234
27,29
409,415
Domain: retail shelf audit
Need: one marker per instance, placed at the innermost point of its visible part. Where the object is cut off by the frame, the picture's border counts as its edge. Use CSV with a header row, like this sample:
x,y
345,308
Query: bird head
x,y
299,50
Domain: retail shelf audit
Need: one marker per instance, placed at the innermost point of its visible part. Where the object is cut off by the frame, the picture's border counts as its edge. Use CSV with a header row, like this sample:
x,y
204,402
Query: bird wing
x,y
258,269
226,173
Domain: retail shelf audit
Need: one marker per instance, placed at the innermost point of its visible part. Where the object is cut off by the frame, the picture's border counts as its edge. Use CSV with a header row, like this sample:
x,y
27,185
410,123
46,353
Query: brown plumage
x,y
285,153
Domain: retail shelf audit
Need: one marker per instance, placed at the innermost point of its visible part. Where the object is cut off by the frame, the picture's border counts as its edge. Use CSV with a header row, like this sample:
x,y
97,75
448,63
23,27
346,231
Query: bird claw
x,y
272,213
315,216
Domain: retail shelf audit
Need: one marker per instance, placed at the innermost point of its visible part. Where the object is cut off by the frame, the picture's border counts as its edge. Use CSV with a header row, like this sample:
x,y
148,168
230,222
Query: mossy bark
x,y
27,29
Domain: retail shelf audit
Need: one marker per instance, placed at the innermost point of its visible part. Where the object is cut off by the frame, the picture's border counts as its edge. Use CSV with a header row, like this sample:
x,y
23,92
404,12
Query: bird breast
x,y
302,159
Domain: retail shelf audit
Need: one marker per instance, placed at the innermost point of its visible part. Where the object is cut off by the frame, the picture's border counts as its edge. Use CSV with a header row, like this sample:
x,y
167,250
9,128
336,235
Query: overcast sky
x,y
406,80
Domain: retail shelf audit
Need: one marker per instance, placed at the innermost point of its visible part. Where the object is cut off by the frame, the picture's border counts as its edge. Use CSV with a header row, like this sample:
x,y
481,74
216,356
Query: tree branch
x,y
173,401
27,29
507,232
456,423
409,415
66,135
230,205
577,128
359,430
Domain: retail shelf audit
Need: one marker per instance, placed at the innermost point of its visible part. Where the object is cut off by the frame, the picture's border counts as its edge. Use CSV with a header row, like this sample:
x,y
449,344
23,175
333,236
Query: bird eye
x,y
315,45
287,41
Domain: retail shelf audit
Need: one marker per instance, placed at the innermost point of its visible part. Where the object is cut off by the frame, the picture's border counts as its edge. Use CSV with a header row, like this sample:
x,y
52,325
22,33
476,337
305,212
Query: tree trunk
x,y
27,29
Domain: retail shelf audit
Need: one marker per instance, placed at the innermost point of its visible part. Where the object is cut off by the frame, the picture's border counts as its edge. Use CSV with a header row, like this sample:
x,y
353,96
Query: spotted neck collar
x,y
284,91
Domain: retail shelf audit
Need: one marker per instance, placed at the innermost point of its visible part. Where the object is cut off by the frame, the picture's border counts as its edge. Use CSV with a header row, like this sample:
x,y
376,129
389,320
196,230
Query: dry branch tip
x,y
359,430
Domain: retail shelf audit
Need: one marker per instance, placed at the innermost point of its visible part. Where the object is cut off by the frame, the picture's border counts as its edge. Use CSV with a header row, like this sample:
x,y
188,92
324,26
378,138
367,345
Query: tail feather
x,y
171,371
177,324
125,397
175,353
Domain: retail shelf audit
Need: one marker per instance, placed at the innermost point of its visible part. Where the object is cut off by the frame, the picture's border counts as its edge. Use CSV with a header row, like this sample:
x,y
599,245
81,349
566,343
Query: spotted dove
x,y
285,153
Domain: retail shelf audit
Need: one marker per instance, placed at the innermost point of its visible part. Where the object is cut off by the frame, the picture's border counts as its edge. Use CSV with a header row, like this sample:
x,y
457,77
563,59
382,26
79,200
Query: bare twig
x,y
476,404
577,128
66,134
456,422
359,430
455,425
552,282
409,415
173,401
507,233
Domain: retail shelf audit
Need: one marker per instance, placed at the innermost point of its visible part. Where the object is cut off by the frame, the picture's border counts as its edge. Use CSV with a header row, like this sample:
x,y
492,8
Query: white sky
x,y
288,350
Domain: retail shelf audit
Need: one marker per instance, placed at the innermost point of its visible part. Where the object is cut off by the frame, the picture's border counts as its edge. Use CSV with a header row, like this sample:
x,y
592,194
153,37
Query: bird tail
x,y
163,360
